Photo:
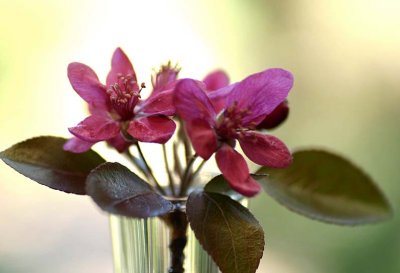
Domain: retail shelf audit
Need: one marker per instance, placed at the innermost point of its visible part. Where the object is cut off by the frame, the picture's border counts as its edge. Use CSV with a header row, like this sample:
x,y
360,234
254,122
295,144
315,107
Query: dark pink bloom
x,y
216,80
246,104
117,109
217,88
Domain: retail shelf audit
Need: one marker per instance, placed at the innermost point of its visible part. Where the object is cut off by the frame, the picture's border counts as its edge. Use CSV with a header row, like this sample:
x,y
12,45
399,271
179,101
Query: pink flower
x,y
216,80
246,104
117,110
217,88
165,78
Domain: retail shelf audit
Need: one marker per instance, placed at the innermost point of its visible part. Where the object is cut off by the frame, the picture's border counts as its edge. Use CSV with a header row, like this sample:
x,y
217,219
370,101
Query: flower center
x,y
124,95
230,123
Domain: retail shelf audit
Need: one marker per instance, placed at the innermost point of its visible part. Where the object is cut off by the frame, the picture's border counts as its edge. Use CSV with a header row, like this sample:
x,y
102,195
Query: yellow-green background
x,y
344,55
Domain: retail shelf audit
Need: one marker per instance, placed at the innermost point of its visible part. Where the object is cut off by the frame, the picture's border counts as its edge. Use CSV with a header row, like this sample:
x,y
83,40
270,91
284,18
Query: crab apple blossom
x,y
165,78
215,129
117,110
217,80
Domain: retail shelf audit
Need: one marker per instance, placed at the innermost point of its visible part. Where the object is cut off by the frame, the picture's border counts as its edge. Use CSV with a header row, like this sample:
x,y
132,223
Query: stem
x,y
183,137
177,222
177,163
135,162
186,175
170,179
188,149
196,172
158,186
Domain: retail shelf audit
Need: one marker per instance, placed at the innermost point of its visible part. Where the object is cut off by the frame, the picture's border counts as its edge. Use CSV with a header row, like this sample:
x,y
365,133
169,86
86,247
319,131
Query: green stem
x,y
135,162
177,163
185,140
158,186
186,175
196,172
167,169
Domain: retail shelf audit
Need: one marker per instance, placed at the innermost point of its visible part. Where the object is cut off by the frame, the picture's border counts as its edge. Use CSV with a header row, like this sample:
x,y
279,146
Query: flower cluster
x,y
210,117
214,114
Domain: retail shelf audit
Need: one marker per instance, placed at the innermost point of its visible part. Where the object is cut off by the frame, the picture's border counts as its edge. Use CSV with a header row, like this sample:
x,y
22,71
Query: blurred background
x,y
344,55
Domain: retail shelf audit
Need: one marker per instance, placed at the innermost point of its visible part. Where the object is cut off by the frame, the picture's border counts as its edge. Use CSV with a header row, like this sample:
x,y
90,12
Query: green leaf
x,y
326,187
218,184
117,190
43,160
227,231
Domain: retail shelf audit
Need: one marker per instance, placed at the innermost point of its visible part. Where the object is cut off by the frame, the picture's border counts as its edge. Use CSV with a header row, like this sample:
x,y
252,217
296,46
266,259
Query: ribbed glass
x,y
141,246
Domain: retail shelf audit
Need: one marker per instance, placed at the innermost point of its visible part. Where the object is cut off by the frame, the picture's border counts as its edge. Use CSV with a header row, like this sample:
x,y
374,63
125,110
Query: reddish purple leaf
x,y
44,160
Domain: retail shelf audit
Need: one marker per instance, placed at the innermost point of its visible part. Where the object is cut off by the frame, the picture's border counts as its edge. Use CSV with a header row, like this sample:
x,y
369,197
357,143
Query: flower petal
x,y
216,80
261,93
276,117
265,150
235,170
85,82
77,145
158,129
203,137
218,97
160,103
119,143
120,64
96,128
191,101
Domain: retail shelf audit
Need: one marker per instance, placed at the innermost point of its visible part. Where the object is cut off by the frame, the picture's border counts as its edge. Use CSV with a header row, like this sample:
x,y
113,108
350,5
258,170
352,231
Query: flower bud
x,y
276,117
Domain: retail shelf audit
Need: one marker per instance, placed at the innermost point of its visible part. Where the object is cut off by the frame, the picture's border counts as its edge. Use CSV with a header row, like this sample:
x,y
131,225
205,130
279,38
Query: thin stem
x,y
135,162
158,186
196,172
183,137
177,162
186,175
167,169
188,149
193,175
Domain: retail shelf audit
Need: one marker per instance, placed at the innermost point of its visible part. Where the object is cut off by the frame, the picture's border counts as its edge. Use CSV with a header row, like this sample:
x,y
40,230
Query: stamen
x,y
124,95
252,125
230,124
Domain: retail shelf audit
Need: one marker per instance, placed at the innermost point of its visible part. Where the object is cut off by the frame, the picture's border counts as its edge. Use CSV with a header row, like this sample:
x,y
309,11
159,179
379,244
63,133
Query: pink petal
x,y
96,128
158,129
265,150
87,85
160,103
261,93
191,102
216,80
218,97
235,170
276,117
203,138
119,143
120,64
76,145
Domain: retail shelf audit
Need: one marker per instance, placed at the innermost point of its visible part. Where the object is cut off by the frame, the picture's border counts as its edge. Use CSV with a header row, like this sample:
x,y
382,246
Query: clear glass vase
x,y
143,246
